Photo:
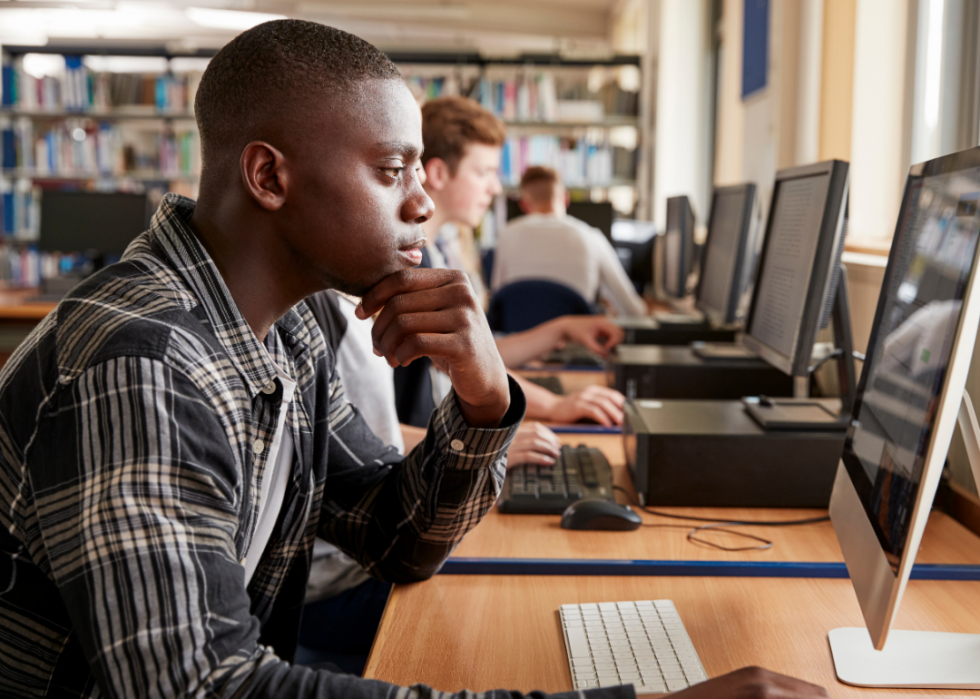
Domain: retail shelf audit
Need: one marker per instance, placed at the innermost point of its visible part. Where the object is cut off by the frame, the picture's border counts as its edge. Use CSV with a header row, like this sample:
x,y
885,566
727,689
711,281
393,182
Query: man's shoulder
x,y
132,308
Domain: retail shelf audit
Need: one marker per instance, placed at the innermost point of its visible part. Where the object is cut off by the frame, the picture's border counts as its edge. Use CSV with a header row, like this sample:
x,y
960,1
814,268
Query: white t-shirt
x,y
273,486
568,251
369,386
367,378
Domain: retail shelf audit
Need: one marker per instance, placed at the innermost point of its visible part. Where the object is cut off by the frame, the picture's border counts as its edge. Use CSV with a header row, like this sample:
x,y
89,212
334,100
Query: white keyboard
x,y
639,643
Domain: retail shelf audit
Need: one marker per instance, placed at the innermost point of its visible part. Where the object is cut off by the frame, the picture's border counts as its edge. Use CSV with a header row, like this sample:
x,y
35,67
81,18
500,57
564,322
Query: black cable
x,y
691,536
774,523
833,355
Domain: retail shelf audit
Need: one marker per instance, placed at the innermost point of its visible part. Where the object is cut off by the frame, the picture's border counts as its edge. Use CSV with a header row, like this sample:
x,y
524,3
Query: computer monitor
x,y
800,258
728,257
678,247
598,214
105,222
908,400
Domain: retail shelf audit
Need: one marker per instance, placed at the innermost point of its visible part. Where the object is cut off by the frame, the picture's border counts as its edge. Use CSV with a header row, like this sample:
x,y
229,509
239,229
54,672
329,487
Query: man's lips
x,y
413,251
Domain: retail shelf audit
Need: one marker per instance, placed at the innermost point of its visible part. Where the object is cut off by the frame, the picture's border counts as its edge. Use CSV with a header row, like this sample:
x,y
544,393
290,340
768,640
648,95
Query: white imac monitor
x,y
908,401
727,261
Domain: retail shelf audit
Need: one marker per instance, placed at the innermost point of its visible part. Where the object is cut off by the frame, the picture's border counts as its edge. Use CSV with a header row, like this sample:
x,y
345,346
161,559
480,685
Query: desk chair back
x,y
525,304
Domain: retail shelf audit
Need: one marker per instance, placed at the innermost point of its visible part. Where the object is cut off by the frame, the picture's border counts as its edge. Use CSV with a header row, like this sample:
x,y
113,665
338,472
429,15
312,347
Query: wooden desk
x,y
501,536
18,318
479,632
14,307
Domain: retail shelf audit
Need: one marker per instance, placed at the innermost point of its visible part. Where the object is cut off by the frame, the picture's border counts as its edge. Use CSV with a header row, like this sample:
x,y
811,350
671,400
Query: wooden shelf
x,y
143,175
111,115
608,122
619,182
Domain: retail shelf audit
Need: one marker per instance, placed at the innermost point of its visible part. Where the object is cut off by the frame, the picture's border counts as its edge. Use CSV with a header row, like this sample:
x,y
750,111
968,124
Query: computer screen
x,y
728,253
80,221
598,214
678,246
907,401
803,233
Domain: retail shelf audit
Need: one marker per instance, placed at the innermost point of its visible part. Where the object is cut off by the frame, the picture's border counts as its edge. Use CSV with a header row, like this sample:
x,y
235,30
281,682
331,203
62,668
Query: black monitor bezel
x,y
687,222
831,229
45,244
729,314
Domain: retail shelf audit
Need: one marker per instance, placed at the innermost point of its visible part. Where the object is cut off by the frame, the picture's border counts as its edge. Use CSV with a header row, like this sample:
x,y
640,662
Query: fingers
x,y
539,437
592,343
517,456
753,683
401,328
533,444
602,402
404,281
585,410
598,333
618,399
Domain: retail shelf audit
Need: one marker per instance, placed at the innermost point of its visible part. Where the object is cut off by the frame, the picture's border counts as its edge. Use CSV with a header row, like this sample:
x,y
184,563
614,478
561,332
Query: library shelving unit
x,y
84,126
579,116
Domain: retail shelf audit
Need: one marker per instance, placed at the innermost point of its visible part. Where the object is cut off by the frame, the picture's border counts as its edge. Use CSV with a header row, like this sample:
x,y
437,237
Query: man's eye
x,y
393,172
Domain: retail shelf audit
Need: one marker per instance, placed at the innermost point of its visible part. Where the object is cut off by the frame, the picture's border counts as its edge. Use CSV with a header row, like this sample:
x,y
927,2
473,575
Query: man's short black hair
x,y
272,66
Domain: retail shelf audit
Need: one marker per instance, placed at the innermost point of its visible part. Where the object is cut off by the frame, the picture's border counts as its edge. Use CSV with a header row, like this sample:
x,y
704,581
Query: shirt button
x,y
457,444
257,446
269,388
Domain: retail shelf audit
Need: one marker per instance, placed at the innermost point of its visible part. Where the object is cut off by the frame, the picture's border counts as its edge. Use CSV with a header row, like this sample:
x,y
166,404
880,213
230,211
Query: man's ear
x,y
265,175
437,174
523,204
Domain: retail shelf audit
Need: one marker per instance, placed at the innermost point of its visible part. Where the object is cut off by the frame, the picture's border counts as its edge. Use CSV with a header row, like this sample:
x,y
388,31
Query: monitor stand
x,y
915,659
801,412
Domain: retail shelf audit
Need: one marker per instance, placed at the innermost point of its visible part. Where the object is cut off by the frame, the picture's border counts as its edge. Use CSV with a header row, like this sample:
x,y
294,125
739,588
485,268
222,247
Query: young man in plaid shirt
x,y
174,435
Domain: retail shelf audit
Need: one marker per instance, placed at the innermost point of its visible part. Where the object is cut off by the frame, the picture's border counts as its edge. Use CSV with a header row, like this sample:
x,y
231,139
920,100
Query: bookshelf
x,y
84,125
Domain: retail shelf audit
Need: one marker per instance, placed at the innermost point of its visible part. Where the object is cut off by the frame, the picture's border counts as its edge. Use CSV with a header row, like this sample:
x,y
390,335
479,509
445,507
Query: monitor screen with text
x,y
787,267
718,281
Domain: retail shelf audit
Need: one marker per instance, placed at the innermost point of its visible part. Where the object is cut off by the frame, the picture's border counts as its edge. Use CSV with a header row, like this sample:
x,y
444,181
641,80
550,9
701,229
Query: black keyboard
x,y
574,354
580,472
552,383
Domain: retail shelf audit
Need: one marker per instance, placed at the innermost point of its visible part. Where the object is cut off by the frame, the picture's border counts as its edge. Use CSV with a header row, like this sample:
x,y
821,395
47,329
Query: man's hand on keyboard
x,y
533,444
599,404
752,683
597,333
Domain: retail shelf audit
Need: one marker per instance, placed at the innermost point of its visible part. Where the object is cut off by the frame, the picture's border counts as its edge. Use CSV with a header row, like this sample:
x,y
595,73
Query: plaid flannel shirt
x,y
134,424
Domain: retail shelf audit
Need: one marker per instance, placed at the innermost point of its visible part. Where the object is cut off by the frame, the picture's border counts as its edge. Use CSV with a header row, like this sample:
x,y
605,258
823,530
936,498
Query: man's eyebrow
x,y
403,148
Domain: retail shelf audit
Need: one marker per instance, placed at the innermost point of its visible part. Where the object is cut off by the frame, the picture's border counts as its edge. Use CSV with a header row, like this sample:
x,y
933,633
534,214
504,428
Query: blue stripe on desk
x,y
743,569
584,429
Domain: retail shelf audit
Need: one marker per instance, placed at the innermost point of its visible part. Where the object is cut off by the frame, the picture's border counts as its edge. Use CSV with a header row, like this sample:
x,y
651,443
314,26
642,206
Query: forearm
x,y
540,401
518,348
402,526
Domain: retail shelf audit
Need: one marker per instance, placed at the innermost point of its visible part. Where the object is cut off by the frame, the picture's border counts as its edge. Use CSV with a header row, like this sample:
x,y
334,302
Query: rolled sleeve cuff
x,y
473,447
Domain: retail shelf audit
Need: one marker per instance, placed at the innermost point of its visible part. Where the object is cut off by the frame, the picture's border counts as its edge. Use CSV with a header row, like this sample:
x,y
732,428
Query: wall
x,y
681,157
879,160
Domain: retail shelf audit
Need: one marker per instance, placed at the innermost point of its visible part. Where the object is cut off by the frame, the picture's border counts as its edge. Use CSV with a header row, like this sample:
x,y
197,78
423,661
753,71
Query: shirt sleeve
x,y
400,518
614,283
144,555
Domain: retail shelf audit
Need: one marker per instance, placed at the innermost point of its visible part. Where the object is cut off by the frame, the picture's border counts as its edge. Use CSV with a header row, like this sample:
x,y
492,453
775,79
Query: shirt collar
x,y
170,229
